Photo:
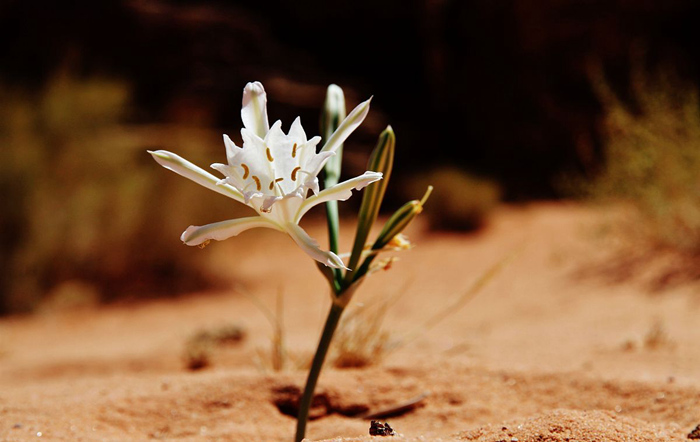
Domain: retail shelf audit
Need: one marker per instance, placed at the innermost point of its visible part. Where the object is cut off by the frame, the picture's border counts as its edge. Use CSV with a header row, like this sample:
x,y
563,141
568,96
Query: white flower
x,y
273,173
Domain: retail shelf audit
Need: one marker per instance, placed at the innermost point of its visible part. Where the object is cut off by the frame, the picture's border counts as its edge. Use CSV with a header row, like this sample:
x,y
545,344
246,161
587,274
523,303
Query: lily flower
x,y
274,173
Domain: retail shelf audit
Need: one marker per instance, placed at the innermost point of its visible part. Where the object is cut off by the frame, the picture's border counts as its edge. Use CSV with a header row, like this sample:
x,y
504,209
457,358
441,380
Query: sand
x,y
548,351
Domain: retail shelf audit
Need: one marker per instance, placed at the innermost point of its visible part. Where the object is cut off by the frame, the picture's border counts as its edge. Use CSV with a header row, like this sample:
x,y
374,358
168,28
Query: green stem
x,y
333,230
320,356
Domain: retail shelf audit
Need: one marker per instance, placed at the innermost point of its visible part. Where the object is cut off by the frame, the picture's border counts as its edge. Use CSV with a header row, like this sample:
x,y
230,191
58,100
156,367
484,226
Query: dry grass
x,y
82,201
652,156
360,340
651,148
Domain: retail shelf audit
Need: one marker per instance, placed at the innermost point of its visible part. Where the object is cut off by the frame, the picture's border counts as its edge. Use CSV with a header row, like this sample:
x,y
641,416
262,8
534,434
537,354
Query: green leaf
x,y
381,160
333,113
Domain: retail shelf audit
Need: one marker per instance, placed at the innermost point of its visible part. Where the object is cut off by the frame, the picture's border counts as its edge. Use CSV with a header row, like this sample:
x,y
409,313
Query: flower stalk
x,y
324,344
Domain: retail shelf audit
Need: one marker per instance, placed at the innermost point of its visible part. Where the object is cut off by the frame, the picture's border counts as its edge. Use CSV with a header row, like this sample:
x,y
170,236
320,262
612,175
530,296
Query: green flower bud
x,y
381,160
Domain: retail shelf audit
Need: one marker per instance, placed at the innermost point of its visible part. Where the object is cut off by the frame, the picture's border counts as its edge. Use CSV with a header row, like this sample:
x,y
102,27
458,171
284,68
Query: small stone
x,y
376,428
695,434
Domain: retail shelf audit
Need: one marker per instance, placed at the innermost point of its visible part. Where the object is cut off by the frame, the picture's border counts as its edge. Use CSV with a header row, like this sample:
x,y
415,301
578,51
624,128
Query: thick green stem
x,y
320,356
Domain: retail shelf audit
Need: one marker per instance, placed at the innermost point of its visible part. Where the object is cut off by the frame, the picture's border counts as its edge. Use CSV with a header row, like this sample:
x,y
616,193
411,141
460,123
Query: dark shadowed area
x,y
499,90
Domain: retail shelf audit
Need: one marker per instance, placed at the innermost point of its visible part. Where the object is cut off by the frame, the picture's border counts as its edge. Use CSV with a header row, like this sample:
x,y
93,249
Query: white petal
x,y
310,246
348,125
184,168
232,176
280,146
196,235
254,110
315,163
231,149
339,192
255,157
311,185
296,131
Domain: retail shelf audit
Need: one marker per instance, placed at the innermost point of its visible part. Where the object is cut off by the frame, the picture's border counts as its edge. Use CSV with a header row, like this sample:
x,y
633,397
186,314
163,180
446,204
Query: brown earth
x,y
550,350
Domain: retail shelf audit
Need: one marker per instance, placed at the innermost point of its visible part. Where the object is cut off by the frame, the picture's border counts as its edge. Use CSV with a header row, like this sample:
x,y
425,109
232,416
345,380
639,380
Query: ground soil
x,y
551,349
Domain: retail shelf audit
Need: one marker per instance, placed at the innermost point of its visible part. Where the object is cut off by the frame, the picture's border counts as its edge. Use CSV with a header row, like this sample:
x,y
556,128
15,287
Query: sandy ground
x,y
547,351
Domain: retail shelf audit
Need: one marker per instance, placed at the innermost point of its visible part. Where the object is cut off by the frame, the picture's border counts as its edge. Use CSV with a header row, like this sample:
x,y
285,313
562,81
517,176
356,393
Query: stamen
x,y
427,195
257,182
269,155
272,183
246,170
294,151
294,172
204,244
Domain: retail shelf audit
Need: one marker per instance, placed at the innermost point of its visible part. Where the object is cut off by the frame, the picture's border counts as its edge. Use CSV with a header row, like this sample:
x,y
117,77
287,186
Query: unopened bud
x,y
333,113
382,160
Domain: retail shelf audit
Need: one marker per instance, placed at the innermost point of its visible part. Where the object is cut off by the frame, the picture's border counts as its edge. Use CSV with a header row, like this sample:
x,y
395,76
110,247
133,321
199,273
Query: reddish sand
x,y
548,351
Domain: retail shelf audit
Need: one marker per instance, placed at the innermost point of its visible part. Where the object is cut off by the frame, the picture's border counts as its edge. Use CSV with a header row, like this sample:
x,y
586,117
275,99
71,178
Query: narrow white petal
x,y
296,131
196,235
195,173
339,192
315,163
310,246
231,149
254,110
349,124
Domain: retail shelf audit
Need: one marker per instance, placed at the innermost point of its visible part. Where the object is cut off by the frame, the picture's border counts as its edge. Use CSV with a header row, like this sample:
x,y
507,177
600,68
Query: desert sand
x,y
552,349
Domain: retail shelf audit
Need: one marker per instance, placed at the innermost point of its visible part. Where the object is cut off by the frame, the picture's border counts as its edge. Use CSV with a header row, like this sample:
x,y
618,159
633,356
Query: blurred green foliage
x,y
459,201
652,154
83,201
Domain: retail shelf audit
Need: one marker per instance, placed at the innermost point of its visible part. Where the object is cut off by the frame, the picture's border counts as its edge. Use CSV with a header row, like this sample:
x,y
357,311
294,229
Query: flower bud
x,y
381,160
398,221
333,113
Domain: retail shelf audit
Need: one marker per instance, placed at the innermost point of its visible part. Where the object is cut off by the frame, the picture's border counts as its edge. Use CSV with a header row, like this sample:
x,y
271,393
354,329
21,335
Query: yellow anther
x,y
400,242
272,183
269,155
246,171
294,173
257,182
294,151
204,244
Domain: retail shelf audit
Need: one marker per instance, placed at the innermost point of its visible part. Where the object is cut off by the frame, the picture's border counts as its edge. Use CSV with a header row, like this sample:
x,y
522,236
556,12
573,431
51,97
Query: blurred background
x,y
491,100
